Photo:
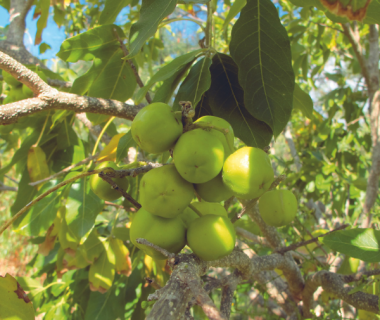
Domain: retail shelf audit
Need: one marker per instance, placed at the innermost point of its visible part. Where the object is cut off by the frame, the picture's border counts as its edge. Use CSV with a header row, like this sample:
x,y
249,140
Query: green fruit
x,y
156,128
11,80
210,208
211,237
246,223
102,188
248,172
164,192
226,139
198,156
214,190
187,216
169,234
278,207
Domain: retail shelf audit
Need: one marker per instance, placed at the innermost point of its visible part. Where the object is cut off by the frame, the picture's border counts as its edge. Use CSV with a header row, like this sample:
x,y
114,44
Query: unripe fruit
x,y
211,237
164,192
156,128
226,139
278,207
102,188
198,156
187,216
169,234
248,172
206,208
214,190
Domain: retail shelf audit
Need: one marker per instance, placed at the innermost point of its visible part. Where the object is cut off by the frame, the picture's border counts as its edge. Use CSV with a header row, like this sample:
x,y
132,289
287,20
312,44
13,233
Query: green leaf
x,y
302,102
66,136
260,46
363,244
165,92
5,4
14,303
152,12
43,6
125,142
111,9
226,100
108,78
25,193
98,42
82,207
373,13
43,47
22,152
168,71
234,10
196,83
41,216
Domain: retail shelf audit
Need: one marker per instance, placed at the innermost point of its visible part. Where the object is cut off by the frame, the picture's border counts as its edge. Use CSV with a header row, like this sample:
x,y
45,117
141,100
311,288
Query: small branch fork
x,y
47,98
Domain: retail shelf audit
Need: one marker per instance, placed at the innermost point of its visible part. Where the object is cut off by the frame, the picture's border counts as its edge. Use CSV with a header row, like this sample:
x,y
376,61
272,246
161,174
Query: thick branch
x,y
334,283
49,98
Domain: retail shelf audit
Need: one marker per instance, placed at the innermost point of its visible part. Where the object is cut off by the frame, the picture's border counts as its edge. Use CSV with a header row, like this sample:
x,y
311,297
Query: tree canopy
x,y
296,79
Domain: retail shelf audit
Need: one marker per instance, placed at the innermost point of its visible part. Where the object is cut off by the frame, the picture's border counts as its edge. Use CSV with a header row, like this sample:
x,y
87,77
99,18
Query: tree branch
x,y
334,283
49,98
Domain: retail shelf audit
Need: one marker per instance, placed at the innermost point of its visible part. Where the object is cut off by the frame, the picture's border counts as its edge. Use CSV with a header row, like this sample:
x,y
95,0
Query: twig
x,y
126,195
133,67
251,237
303,243
66,170
166,253
153,283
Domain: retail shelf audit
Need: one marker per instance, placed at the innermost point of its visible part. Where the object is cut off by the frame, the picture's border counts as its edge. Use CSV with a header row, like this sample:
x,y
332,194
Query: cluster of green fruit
x,y
205,162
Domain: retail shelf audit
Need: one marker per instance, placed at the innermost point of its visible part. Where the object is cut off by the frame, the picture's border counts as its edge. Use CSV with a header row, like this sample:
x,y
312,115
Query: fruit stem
x,y
195,210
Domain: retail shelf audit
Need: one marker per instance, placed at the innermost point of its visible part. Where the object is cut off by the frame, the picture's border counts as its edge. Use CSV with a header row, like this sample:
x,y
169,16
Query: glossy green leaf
x,y
226,100
82,207
363,244
302,102
67,137
41,216
196,83
109,78
234,10
260,47
98,42
14,303
168,71
165,92
125,142
111,9
152,12
43,7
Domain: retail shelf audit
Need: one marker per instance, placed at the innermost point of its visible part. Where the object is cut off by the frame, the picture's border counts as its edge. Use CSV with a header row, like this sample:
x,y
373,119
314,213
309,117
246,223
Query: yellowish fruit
x,y
198,156
248,172
169,234
102,188
211,237
214,190
164,192
278,207
156,128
